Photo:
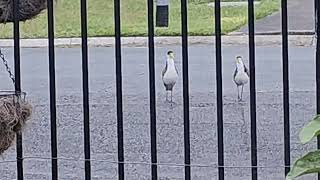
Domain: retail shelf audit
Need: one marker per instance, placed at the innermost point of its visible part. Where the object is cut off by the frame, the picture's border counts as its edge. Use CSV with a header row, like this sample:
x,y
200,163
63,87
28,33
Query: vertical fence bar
x,y
318,67
254,158
315,15
85,88
285,64
17,72
219,89
52,79
119,89
184,30
152,87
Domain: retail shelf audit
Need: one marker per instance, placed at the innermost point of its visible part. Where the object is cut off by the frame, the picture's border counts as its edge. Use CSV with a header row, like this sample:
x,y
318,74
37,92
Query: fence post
x,y
162,14
315,16
285,64
118,61
85,88
254,155
217,17
16,32
52,85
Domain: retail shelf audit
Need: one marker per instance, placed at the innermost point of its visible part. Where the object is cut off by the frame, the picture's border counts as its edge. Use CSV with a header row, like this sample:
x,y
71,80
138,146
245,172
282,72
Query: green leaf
x,y
310,163
311,130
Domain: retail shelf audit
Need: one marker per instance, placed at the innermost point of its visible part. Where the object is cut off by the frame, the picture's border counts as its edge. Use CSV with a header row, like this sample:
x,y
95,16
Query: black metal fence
x,y
153,120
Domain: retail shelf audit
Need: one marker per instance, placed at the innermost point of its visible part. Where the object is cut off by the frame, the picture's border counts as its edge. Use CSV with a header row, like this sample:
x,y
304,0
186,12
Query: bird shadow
x,y
236,101
241,102
171,104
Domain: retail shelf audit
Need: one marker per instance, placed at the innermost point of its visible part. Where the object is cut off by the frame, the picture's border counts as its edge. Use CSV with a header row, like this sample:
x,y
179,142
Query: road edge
x,y
228,40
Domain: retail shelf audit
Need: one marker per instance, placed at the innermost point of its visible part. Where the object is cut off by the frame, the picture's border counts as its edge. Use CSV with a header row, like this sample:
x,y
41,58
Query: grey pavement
x,y
300,20
34,64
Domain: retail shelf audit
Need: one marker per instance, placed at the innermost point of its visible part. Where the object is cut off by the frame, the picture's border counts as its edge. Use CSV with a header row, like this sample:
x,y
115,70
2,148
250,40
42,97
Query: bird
x,y
240,75
170,74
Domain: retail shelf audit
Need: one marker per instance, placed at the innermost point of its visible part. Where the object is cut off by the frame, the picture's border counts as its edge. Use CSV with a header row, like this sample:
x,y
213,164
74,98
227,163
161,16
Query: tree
x,y
28,9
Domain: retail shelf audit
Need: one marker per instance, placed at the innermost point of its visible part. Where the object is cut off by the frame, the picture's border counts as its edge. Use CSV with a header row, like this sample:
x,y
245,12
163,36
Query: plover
x,y
169,74
240,76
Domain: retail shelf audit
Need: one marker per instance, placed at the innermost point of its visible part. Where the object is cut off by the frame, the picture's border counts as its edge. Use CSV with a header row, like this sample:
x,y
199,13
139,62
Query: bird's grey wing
x,y
164,70
235,73
246,70
176,69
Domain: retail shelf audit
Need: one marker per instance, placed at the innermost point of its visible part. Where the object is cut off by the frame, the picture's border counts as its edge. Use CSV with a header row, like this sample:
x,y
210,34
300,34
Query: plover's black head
x,y
238,59
170,54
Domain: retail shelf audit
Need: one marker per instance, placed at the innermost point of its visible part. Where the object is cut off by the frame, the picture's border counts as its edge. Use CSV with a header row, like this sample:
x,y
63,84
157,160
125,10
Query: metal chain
x,y
5,63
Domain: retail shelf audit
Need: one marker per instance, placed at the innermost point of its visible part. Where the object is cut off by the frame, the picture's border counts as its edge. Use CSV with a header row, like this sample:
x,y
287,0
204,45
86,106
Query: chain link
x,y
5,63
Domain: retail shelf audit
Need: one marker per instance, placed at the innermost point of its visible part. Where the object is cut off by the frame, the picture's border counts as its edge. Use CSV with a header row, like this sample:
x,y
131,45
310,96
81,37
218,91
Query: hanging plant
x,y
28,9
15,111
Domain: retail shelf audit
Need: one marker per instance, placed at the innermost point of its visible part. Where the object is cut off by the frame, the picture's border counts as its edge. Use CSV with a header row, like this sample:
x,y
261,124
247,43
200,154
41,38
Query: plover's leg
x,y
241,92
171,95
166,95
238,93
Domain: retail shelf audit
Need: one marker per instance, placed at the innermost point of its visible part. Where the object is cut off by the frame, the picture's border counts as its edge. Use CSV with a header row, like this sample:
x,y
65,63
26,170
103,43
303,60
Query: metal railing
x,y
153,121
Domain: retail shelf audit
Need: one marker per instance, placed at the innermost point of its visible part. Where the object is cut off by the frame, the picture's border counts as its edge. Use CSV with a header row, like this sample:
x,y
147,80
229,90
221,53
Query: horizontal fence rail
x,y
154,164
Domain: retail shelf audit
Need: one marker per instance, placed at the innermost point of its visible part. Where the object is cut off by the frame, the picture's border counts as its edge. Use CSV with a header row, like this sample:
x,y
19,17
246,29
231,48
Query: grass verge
x,y
134,19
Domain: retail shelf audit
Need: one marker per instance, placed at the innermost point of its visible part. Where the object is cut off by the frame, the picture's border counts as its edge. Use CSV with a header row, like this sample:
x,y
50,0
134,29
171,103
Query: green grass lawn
x,y
134,19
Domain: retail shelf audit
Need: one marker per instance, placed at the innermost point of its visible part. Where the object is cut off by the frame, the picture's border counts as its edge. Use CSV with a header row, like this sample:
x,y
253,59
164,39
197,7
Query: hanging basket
x,y
15,111
28,9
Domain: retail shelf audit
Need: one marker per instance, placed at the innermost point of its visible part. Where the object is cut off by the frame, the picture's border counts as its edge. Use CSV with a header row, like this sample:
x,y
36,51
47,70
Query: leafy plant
x,y
310,162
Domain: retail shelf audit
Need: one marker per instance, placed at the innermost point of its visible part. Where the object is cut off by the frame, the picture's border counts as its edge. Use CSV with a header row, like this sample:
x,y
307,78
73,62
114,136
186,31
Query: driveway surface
x,y
300,19
34,68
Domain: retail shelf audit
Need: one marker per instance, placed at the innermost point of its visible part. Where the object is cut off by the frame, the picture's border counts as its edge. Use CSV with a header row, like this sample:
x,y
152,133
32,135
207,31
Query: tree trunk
x,y
28,9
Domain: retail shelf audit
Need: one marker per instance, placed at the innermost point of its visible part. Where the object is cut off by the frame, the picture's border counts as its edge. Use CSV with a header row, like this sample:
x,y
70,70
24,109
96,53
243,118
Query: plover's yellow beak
x,y
172,56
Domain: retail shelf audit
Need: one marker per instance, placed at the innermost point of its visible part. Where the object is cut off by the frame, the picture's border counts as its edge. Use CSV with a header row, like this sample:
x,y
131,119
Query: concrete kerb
x,y
228,40
290,32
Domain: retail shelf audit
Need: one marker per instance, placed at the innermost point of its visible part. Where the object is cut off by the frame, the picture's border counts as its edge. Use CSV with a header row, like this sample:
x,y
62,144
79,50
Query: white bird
x,y
169,74
241,75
